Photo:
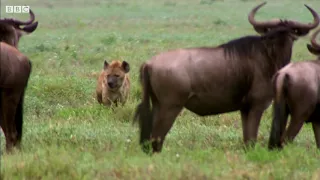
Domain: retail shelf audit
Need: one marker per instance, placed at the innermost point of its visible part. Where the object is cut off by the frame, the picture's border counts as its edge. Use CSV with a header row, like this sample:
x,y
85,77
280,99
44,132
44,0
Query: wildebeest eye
x,y
266,30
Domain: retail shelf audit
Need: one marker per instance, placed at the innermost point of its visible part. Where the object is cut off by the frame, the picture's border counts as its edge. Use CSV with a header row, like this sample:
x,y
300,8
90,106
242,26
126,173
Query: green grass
x,y
67,135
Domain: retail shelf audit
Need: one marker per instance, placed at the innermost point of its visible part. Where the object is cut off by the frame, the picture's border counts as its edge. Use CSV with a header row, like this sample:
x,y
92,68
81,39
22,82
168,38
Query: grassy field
x,y
67,135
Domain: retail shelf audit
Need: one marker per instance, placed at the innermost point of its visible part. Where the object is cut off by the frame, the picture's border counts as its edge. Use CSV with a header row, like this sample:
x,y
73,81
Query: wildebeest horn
x,y
314,41
265,24
314,47
316,21
274,23
18,22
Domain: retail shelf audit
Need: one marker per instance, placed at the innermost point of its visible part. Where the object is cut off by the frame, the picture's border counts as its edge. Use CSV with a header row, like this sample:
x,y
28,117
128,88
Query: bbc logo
x,y
17,9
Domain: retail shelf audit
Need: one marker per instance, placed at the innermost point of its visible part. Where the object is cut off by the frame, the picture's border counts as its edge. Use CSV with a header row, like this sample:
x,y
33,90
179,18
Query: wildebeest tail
x,y
19,118
280,109
19,111
143,112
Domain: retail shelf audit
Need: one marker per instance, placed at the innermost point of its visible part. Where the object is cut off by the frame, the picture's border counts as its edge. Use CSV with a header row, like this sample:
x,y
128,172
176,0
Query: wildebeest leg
x,y
316,131
19,120
250,124
10,100
164,117
302,110
4,123
293,129
1,120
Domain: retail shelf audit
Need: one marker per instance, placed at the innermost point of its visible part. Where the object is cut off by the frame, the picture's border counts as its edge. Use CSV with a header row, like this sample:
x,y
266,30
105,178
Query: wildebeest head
x,y
296,28
314,47
11,30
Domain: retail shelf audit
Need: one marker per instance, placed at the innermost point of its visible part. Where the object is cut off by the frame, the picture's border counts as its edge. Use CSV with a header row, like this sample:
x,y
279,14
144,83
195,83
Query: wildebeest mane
x,y
267,45
243,47
7,33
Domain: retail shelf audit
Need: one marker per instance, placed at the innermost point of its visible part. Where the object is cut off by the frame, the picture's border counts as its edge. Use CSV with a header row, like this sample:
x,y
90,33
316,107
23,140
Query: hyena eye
x,y
117,75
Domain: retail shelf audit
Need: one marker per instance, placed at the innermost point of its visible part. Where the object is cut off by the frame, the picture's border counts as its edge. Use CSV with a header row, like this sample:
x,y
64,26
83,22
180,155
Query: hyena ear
x,y
125,66
105,65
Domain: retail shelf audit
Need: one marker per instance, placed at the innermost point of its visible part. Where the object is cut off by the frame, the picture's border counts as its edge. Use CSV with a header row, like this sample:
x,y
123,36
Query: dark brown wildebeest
x,y
297,92
213,80
15,69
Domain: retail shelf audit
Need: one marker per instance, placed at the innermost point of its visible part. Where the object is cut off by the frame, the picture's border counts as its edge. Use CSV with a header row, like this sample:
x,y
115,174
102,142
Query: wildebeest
x,y
212,80
113,84
297,92
15,69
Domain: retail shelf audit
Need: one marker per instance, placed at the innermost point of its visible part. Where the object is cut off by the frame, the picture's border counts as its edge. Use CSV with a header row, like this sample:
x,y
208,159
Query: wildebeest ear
x,y
105,64
261,31
313,50
31,27
125,66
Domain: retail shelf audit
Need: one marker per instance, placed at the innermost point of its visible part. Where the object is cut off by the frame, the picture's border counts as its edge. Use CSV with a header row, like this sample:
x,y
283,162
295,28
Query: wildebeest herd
x,y
245,74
